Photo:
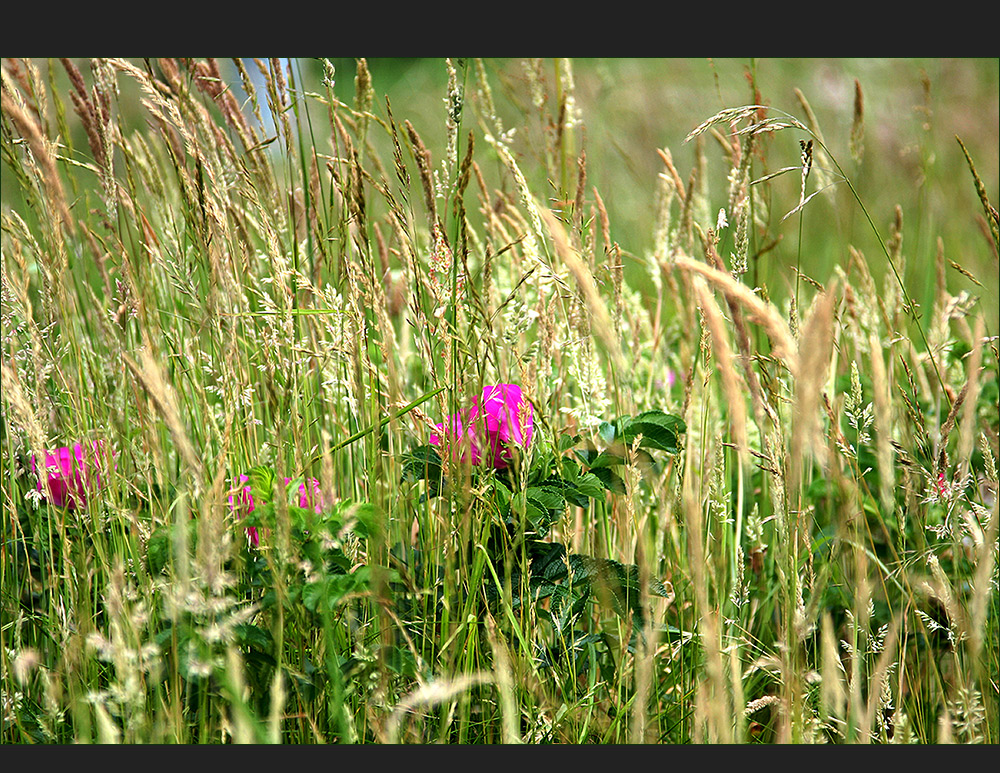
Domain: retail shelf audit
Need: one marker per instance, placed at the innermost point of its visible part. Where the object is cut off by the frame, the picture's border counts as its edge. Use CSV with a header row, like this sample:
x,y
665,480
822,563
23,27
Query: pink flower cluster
x,y
71,474
498,420
243,501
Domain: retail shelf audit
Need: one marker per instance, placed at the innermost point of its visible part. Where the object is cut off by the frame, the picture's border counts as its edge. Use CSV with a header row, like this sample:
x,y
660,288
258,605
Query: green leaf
x,y
614,581
609,431
423,463
538,518
158,550
568,470
360,516
595,459
659,430
566,442
548,561
262,515
609,479
163,543
400,661
546,497
590,485
249,635
331,590
262,480
502,496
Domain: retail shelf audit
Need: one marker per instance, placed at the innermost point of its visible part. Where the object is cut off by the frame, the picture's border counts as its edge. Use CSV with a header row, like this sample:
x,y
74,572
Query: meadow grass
x,y
759,500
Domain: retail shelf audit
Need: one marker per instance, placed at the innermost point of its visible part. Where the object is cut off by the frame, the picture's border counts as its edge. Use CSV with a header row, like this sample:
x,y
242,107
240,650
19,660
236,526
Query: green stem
x,y
381,423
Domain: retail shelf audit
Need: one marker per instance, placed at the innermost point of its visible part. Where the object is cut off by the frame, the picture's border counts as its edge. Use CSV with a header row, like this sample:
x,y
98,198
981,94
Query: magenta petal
x,y
311,497
512,420
243,505
452,434
71,474
502,414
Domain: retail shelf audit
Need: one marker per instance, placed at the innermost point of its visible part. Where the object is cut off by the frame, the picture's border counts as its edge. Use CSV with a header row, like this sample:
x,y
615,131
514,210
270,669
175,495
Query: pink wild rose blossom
x,y
502,413
243,501
71,474
245,504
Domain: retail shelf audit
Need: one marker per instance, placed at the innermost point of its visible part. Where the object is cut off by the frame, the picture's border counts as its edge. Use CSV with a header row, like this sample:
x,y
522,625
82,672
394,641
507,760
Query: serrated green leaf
x,y
422,463
574,496
330,590
262,480
659,430
607,458
666,420
262,515
538,517
590,485
566,442
158,550
548,561
568,470
621,581
546,497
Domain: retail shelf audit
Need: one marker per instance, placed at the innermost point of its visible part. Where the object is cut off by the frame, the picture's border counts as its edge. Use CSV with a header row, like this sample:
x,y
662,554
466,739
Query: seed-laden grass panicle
x,y
711,459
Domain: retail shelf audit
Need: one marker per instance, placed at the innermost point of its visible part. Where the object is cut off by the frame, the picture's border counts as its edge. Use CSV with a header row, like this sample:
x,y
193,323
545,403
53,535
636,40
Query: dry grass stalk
x,y
151,378
41,150
822,160
833,692
885,421
983,584
815,350
668,161
602,322
730,115
760,311
761,408
14,394
714,710
857,143
966,435
423,157
94,110
878,708
947,427
504,678
989,209
431,694
730,378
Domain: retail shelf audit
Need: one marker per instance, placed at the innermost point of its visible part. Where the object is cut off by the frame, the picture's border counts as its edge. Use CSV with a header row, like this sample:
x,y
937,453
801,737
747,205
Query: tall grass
x,y
759,502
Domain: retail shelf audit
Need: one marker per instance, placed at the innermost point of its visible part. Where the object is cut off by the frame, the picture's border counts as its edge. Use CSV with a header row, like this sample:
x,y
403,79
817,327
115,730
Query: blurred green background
x,y
913,111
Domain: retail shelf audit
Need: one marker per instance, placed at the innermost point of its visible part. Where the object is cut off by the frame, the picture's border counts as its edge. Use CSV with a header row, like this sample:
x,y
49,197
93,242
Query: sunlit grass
x,y
744,490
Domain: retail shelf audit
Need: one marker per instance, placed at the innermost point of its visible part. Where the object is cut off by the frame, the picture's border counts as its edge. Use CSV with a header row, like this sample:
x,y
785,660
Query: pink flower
x,y
72,474
503,414
306,499
245,505
942,485
244,501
